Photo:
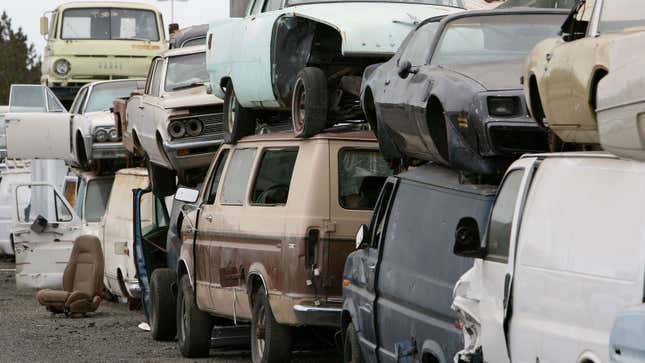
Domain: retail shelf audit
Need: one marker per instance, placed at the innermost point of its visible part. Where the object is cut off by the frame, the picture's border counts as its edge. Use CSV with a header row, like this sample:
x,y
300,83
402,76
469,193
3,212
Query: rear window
x,y
361,173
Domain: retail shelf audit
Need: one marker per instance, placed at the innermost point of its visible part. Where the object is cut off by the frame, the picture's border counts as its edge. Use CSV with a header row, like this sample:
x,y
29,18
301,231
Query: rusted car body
x,y
452,93
281,220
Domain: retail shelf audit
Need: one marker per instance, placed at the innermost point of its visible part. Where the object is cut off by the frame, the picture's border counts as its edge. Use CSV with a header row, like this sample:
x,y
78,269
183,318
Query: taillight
x,y
311,247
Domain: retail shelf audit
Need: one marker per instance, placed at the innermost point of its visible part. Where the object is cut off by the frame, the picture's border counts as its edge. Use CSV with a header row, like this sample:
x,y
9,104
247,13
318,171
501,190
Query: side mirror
x,y
40,224
467,241
404,68
187,195
361,236
44,25
567,37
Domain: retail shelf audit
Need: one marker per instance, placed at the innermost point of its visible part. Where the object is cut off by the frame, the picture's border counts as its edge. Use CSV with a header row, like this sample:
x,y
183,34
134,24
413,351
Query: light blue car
x,y
627,340
306,57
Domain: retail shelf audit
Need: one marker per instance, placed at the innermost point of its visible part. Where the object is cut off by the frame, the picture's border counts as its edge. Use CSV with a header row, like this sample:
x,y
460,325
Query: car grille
x,y
213,123
517,140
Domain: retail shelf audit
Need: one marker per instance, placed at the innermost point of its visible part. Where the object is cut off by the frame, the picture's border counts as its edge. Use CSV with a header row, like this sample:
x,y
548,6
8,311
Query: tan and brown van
x,y
276,219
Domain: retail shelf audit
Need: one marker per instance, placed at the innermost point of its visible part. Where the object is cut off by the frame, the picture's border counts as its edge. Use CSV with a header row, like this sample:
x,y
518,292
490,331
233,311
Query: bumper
x,y
196,153
318,315
108,150
133,288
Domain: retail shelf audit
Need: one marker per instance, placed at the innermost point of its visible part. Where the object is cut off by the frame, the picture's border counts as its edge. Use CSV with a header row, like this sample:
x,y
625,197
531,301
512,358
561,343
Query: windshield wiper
x,y
134,38
184,86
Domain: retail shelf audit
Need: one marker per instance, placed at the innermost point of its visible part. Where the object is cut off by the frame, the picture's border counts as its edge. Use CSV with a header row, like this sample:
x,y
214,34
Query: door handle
x,y
387,83
209,218
141,107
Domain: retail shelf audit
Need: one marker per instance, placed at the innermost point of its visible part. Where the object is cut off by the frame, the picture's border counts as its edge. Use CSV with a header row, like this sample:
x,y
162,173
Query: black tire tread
x,y
198,331
245,122
277,336
316,105
163,305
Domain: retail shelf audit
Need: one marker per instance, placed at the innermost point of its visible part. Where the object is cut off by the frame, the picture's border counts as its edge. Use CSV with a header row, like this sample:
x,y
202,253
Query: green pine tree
x,y
19,62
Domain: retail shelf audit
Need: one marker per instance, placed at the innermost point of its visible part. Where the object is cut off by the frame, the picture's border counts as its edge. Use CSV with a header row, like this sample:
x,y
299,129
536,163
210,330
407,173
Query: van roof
x,y
133,171
105,4
331,135
444,177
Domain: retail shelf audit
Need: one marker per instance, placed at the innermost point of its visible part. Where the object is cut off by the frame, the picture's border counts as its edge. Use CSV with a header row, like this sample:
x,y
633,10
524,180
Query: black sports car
x,y
452,92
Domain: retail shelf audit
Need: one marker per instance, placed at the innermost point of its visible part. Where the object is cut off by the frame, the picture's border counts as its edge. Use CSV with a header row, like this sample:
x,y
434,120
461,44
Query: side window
x,y
53,104
273,179
156,79
42,201
416,50
160,213
53,26
257,7
361,174
501,220
69,191
213,184
237,176
272,5
377,225
79,101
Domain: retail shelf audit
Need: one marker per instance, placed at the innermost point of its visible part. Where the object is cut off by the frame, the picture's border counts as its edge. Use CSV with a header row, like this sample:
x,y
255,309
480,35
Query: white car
x,y
176,123
563,255
38,126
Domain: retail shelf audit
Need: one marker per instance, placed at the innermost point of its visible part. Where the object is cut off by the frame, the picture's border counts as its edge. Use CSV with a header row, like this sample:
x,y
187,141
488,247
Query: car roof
x,y
494,12
183,51
330,135
433,174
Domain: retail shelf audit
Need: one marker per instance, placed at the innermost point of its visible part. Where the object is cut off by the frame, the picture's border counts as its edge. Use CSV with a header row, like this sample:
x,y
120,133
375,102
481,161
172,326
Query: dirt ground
x,y
28,333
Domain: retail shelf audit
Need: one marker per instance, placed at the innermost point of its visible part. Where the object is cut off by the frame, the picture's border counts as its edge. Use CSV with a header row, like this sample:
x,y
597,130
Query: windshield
x,y
186,71
104,94
618,15
455,3
110,23
481,39
98,193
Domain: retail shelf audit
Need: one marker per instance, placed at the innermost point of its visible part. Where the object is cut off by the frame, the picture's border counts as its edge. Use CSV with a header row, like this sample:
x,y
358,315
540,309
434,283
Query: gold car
x,y
561,75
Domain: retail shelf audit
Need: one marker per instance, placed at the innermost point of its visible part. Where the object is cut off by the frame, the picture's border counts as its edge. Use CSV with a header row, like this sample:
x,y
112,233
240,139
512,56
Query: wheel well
x,y
135,140
81,153
429,358
593,96
162,150
121,282
437,126
253,284
536,101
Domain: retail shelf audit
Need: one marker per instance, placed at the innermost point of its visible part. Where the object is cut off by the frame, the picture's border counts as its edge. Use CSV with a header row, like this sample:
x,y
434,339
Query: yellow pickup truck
x,y
92,41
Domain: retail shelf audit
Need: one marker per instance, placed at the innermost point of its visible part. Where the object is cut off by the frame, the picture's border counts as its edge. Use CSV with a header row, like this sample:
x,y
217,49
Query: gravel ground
x,y
28,333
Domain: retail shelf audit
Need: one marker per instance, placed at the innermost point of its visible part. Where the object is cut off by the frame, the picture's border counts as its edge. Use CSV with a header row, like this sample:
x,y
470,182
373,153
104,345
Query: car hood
x,y
100,118
493,76
191,97
369,29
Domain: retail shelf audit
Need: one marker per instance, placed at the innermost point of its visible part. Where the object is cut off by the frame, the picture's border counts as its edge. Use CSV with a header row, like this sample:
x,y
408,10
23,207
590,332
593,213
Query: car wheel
x,y
270,341
309,102
194,326
163,325
351,349
238,121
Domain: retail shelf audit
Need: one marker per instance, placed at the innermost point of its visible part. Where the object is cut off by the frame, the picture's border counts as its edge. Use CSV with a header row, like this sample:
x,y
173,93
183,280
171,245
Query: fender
x,y
431,347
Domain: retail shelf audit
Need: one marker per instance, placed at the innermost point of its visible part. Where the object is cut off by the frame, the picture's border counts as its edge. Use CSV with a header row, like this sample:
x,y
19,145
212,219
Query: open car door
x,y
37,124
43,233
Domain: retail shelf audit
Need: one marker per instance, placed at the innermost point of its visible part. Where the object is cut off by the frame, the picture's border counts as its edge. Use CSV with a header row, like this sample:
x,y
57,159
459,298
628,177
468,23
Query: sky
x,y
25,13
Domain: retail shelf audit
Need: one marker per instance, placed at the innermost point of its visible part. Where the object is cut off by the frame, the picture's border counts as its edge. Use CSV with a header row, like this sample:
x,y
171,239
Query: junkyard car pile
x,y
416,182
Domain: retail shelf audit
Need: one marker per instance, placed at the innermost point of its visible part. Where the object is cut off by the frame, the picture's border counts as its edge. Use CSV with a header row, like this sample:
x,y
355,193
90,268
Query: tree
x,y
19,62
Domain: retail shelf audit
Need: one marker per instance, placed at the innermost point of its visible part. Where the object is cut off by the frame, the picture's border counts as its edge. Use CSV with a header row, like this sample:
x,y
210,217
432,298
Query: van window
x,y
237,176
217,174
41,200
160,213
274,177
155,83
378,218
361,175
501,220
272,5
98,194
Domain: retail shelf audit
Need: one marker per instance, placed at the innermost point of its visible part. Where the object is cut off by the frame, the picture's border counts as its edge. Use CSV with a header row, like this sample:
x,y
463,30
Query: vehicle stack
x,y
407,181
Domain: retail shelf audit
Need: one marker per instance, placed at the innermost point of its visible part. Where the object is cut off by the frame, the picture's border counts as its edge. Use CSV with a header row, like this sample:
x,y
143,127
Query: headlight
x,y
176,129
61,67
101,135
503,106
113,135
194,127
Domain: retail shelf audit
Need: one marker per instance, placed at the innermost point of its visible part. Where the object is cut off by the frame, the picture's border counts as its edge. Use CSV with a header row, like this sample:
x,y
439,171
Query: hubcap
x,y
260,332
298,114
184,322
232,109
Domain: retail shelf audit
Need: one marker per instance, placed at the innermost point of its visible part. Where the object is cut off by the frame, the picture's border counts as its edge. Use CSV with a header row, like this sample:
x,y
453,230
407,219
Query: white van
x,y
11,174
563,254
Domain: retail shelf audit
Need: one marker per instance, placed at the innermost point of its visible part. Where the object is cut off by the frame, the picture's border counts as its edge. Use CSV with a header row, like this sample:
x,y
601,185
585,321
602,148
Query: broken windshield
x,y
453,3
186,71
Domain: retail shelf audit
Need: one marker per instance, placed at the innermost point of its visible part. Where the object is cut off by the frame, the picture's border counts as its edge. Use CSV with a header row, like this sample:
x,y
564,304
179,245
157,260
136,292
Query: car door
x,y
147,110
37,125
493,275
252,73
368,266
44,231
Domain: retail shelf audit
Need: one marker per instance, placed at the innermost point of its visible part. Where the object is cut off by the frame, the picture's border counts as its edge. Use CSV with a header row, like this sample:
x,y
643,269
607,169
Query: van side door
x,y
367,260
493,279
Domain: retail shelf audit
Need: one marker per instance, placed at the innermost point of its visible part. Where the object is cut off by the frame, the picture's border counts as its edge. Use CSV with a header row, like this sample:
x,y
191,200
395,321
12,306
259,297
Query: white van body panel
x,y
11,176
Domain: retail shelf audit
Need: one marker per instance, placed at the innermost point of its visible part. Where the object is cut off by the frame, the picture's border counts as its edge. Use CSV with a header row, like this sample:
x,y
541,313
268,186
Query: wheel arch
x,y
535,101
431,352
598,74
182,269
436,124
369,108
81,149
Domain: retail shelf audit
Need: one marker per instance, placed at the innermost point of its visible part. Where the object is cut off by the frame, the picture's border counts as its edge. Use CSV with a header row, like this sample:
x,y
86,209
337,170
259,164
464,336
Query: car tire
x,y
193,325
309,104
270,340
238,121
163,305
351,348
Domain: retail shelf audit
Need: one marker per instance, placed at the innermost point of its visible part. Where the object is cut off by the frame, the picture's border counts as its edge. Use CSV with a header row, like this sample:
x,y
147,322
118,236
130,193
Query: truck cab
x,y
88,42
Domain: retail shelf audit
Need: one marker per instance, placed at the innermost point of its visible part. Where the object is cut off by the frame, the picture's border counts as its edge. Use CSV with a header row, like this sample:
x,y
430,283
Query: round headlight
x,y
61,67
194,127
176,129
113,135
101,135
